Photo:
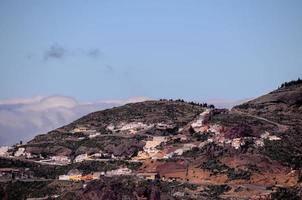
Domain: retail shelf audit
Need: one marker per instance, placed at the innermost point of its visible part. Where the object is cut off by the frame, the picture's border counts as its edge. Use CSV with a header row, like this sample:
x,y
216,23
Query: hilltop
x,y
283,105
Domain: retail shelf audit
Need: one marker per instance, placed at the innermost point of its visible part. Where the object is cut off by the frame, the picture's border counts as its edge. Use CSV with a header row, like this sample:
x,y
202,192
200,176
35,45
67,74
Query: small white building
x,y
97,175
133,127
237,143
150,146
94,135
169,155
150,149
60,159
268,136
110,127
64,177
4,151
20,152
128,128
273,137
259,142
79,129
119,172
265,135
215,129
180,151
163,126
81,158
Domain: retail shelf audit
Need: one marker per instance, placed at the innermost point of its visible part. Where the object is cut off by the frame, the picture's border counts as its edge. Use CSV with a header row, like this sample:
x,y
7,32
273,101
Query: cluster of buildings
x,y
238,142
56,160
80,129
180,151
150,149
128,128
135,127
4,151
91,133
96,156
216,134
266,136
21,152
163,126
76,175
198,124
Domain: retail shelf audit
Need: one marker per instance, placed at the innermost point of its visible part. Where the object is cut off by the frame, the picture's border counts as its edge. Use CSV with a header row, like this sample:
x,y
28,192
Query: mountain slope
x,y
283,105
173,150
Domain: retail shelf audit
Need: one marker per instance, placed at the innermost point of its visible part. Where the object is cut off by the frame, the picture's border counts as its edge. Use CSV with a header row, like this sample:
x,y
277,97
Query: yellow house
x,y
75,178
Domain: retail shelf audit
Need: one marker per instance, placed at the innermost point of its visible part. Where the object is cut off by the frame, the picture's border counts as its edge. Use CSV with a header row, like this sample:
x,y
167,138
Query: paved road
x,y
281,127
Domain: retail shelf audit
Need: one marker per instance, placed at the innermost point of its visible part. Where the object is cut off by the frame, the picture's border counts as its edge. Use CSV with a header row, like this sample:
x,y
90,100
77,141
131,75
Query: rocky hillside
x,y
283,108
283,105
168,150
119,131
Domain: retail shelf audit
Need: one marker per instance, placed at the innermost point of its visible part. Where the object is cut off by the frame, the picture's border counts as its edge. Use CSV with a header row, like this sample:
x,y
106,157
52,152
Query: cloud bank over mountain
x,y
22,119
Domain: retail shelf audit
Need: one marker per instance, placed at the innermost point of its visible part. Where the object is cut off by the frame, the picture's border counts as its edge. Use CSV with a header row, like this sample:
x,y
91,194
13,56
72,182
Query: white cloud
x,y
23,118
21,100
51,102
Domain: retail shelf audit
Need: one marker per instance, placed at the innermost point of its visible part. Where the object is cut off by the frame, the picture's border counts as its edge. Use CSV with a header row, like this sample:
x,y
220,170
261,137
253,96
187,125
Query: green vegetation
x,y
290,83
205,105
216,167
234,174
52,171
213,191
288,150
179,113
201,137
22,190
286,193
242,125
35,189
210,150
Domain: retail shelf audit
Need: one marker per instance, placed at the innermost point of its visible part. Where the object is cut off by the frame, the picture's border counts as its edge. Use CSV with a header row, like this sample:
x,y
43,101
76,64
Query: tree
x,y
211,106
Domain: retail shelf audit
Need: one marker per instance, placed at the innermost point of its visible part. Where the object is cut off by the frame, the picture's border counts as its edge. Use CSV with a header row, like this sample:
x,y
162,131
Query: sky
x,y
105,49
61,59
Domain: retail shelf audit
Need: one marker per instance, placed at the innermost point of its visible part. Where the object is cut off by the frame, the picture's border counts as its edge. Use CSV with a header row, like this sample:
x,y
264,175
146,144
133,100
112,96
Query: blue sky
x,y
160,49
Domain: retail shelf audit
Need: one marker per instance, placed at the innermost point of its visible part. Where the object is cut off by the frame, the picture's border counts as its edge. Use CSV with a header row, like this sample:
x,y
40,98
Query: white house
x,y
81,158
